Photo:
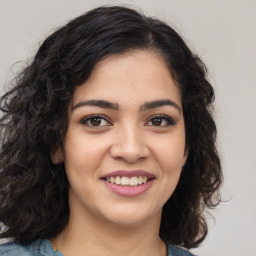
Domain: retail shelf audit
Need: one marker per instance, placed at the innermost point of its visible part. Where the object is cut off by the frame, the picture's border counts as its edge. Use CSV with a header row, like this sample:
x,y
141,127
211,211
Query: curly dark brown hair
x,y
34,191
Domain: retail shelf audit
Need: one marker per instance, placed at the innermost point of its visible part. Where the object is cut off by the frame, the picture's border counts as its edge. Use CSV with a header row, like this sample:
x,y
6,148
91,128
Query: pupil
x,y
96,121
157,121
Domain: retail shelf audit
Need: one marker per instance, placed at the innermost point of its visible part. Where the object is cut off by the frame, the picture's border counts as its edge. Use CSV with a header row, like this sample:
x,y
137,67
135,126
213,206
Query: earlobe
x,y
57,155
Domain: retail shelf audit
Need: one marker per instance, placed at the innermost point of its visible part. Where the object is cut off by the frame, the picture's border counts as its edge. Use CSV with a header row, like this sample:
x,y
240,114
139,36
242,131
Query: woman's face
x,y
125,144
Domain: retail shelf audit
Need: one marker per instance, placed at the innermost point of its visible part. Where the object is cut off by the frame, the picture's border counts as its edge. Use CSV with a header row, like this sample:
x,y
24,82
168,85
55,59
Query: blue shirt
x,y
44,248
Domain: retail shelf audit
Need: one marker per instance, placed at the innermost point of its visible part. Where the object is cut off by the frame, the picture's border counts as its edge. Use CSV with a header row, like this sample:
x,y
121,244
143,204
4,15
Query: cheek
x,y
171,154
171,163
171,157
83,157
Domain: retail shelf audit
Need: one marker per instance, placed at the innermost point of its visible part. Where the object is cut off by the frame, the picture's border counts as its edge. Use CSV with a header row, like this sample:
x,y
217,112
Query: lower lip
x,y
128,191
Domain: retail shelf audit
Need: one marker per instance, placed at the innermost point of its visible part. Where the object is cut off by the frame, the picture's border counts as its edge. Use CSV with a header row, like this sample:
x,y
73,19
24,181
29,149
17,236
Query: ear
x,y
185,157
57,155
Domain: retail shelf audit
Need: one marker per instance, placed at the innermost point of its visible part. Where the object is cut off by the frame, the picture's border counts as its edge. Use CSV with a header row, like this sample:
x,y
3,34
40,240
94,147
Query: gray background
x,y
223,33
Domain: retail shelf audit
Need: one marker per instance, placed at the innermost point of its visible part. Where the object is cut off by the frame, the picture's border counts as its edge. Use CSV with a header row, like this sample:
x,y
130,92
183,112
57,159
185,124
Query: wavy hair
x,y
34,191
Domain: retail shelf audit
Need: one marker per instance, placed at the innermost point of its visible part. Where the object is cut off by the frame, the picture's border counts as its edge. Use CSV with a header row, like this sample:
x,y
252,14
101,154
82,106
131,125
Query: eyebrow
x,y
115,106
159,103
97,103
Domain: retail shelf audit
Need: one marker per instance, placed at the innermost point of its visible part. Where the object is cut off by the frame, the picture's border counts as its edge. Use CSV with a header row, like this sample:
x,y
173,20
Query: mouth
x,y
128,181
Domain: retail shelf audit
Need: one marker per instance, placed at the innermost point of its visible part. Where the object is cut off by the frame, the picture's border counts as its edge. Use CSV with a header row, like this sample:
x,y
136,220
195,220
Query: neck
x,y
87,235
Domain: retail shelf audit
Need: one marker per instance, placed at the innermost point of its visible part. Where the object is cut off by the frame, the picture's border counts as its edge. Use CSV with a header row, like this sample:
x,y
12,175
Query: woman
x,y
108,142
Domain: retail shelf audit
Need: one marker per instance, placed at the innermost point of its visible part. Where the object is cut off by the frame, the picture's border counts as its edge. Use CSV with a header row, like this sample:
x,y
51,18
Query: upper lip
x,y
129,174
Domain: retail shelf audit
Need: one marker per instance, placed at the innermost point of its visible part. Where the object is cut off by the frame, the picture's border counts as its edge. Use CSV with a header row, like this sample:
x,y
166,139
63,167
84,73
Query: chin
x,y
131,217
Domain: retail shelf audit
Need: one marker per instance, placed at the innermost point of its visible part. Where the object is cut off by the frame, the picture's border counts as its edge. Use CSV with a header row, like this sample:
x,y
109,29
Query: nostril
x,y
130,150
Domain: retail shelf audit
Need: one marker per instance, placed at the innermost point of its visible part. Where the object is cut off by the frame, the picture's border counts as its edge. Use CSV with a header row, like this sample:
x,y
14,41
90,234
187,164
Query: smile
x,y
128,181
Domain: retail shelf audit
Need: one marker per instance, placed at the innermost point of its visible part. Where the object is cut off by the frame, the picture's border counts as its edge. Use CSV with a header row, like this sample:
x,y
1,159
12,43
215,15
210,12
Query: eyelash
x,y
85,120
169,121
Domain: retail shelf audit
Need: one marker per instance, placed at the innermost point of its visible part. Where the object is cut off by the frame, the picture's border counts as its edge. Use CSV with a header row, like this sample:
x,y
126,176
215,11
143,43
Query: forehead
x,y
139,75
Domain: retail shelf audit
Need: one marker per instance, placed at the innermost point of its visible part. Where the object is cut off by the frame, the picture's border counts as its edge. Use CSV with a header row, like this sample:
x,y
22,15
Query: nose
x,y
129,145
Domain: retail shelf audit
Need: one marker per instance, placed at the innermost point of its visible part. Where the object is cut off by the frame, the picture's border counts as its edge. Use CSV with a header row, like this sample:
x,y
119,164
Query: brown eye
x,y
156,121
160,121
95,121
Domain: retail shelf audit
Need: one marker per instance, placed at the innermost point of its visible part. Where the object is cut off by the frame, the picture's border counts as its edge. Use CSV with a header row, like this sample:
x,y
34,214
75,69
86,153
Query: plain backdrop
x,y
223,33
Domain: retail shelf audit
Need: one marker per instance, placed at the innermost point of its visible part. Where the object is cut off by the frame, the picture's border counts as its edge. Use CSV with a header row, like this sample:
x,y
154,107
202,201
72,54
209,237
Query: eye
x,y
161,121
95,121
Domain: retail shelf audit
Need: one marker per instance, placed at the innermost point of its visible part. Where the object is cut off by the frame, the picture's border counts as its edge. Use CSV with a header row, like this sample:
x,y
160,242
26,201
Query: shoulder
x,y
176,251
37,248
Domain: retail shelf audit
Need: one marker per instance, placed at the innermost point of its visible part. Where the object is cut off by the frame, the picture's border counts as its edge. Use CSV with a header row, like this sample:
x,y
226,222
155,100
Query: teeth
x,y
118,180
133,181
126,181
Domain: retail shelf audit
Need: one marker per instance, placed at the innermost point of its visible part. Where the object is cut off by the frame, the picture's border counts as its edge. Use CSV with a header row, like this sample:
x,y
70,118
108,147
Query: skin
x,y
130,138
